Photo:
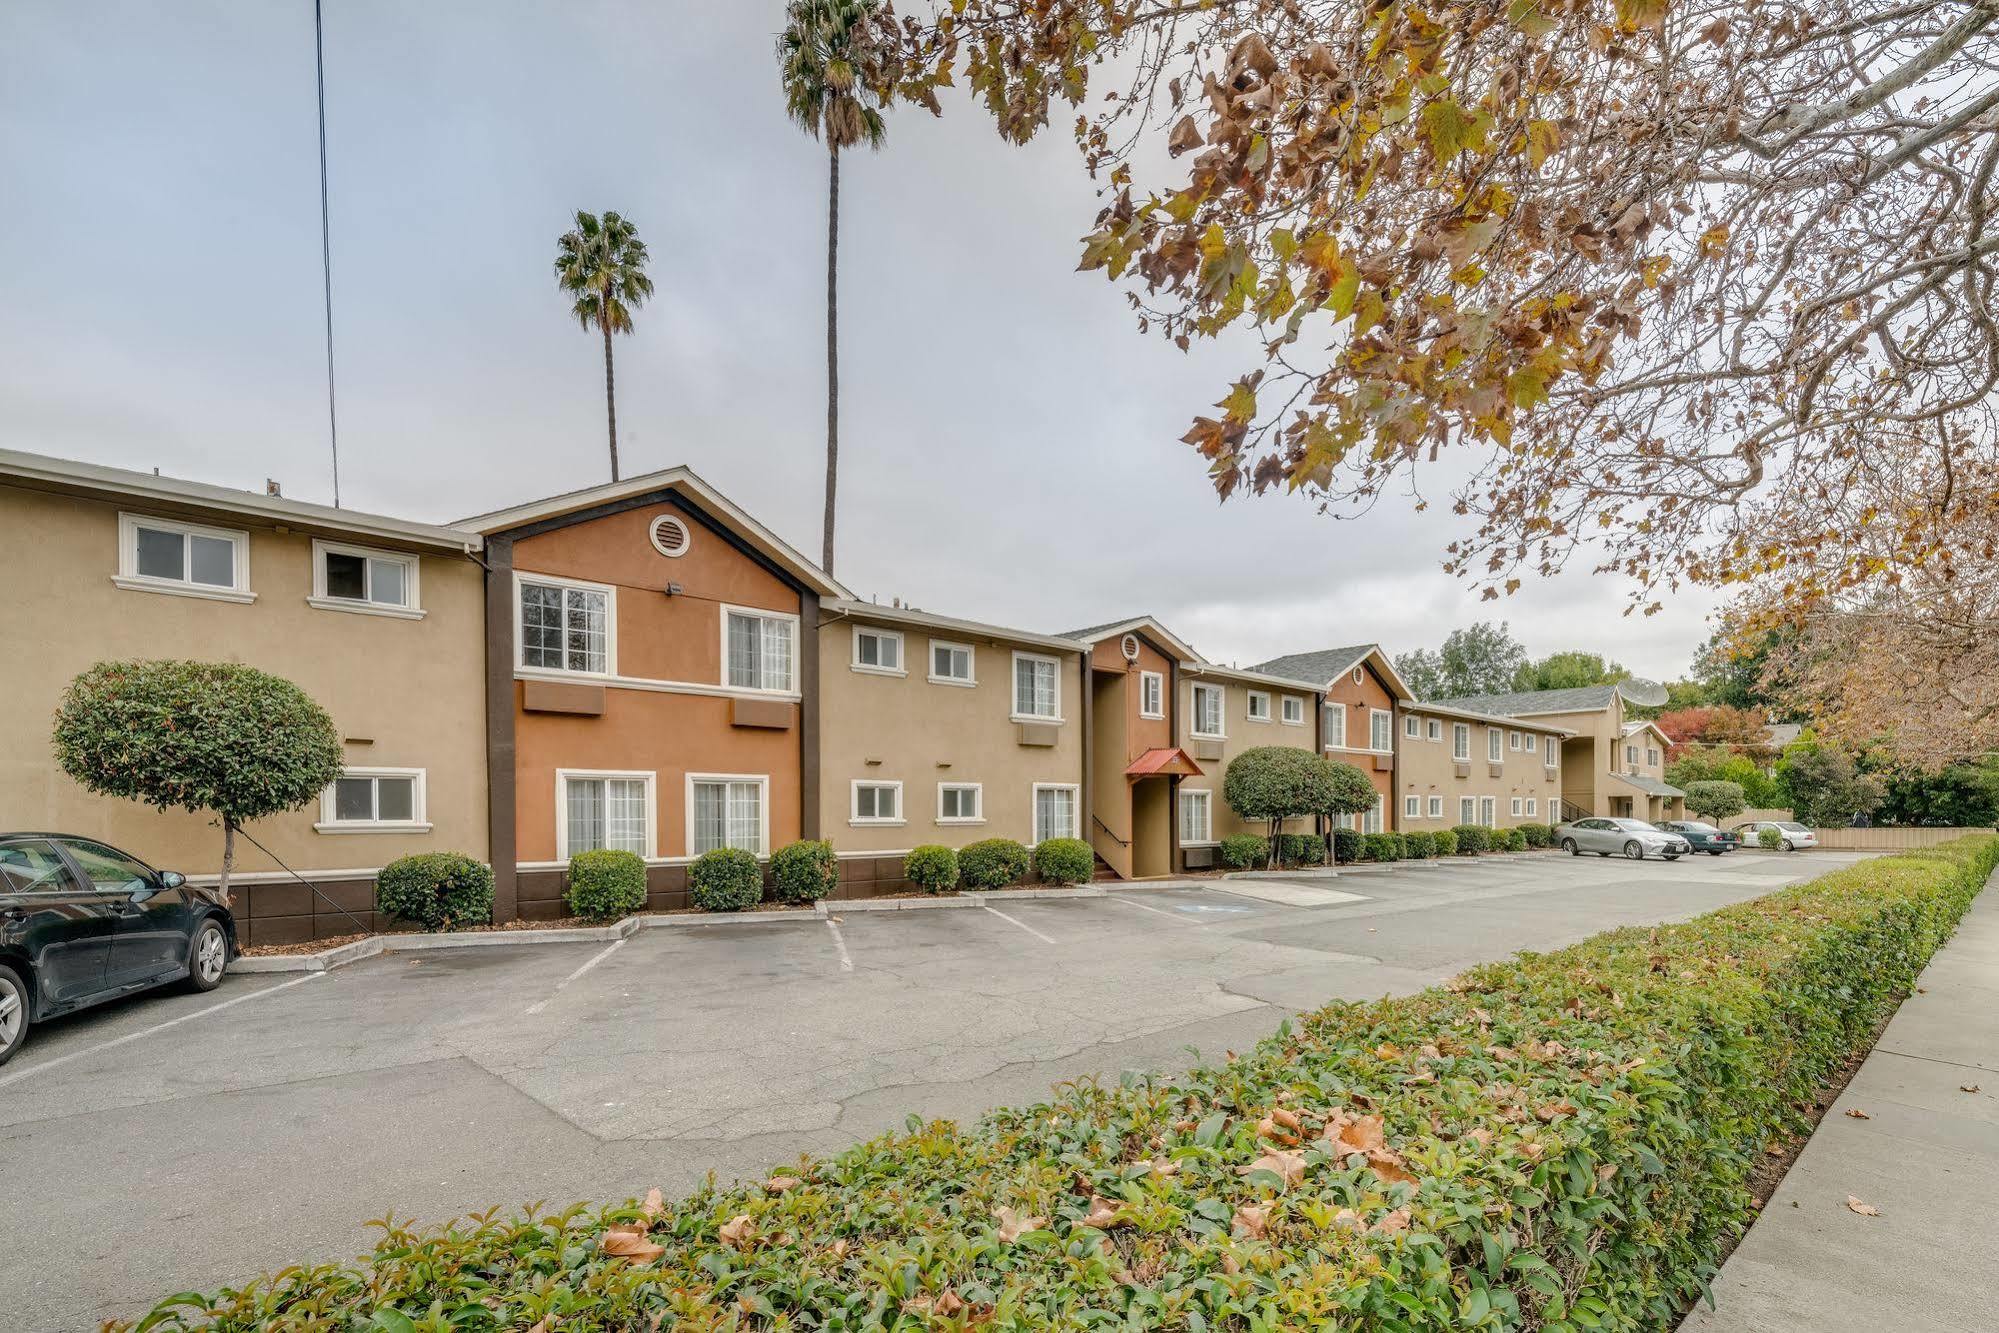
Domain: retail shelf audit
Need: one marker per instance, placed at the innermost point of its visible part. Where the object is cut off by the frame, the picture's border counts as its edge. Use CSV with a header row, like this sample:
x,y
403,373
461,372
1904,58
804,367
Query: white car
x,y
1633,837
1791,835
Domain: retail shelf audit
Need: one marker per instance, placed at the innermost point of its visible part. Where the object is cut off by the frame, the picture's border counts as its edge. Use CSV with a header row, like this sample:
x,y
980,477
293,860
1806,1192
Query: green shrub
x,y
726,879
1537,835
1301,849
932,868
1063,861
993,864
1562,1140
1420,846
1245,851
1447,842
1346,845
803,871
436,890
1769,839
606,885
1473,839
1380,847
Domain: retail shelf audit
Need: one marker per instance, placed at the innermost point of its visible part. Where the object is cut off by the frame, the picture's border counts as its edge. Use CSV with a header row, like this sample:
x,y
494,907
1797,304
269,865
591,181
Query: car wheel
x,y
1634,852
1569,846
13,1012
207,956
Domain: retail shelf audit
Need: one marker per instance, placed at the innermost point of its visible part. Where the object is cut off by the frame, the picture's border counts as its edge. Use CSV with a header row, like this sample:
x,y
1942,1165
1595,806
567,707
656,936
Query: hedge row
x,y
1559,1142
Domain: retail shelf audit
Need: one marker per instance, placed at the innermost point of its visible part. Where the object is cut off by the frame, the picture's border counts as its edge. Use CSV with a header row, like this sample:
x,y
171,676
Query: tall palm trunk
x,y
832,351
610,398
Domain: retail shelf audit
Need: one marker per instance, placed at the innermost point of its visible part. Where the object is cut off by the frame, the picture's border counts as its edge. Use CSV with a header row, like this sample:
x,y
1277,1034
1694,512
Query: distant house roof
x,y
1535,703
1328,664
1650,786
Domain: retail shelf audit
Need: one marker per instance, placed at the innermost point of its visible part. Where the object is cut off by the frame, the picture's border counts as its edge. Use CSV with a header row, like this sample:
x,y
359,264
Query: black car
x,y
1703,837
81,922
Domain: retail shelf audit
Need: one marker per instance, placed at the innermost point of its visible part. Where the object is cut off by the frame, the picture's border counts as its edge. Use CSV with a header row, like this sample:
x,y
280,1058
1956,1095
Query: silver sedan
x,y
1630,837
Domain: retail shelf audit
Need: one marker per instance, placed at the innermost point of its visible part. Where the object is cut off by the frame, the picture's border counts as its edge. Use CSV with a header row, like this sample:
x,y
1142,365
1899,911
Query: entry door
x,y
58,921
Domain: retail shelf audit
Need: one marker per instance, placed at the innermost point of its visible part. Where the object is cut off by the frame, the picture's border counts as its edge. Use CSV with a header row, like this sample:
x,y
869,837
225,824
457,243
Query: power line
x,y
326,242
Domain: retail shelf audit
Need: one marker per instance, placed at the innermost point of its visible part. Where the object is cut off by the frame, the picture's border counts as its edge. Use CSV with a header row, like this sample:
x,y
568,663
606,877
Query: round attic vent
x,y
1128,645
669,535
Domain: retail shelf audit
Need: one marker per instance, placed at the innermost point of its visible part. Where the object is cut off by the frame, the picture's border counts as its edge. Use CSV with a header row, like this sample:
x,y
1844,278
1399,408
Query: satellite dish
x,y
1643,692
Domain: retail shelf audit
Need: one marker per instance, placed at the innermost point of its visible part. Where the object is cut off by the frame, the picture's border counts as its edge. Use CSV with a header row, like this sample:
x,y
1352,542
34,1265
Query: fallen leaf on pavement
x,y
1857,1113
1864,1209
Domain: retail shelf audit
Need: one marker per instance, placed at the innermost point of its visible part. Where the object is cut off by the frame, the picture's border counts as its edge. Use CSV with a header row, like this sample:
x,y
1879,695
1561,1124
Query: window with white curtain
x,y
1207,720
1197,816
565,626
1054,812
762,649
726,812
1037,691
605,812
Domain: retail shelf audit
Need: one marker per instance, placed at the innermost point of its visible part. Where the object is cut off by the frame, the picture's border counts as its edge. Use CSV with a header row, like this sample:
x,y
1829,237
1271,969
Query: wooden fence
x,y
1866,839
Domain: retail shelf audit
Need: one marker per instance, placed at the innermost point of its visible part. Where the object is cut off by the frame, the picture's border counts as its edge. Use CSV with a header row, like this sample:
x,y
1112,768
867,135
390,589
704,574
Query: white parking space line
x,y
18,1075
599,957
1012,921
840,943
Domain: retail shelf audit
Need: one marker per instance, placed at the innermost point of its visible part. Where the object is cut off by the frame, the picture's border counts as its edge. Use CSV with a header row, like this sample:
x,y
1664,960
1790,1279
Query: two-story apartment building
x,y
378,619
1360,694
1457,766
1603,772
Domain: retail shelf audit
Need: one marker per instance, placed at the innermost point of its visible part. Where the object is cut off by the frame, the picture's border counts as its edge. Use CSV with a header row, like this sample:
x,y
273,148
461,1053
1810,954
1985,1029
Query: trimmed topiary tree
x,y
725,879
436,890
209,737
1063,860
993,864
804,871
1716,800
932,868
1245,851
1446,841
605,885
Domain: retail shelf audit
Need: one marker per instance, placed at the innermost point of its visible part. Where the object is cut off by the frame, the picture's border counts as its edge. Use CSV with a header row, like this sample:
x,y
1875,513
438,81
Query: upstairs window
x,y
877,650
161,555
353,578
565,626
761,649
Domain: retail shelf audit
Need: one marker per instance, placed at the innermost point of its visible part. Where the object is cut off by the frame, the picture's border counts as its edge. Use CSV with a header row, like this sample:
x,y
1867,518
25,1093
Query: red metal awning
x,y
1169,762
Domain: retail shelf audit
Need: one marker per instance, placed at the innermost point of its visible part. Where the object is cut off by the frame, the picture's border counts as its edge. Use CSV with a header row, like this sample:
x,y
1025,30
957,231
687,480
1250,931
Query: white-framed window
x,y
876,803
1412,727
1412,806
878,650
1380,730
1151,694
1037,688
563,625
952,663
1467,810
356,578
1488,811
1207,719
185,559
728,810
1518,806
1371,822
604,811
1293,711
1492,742
1197,817
1513,740
1054,811
1461,742
1336,726
1436,730
1436,807
1533,807
1259,706
760,648
374,800
961,803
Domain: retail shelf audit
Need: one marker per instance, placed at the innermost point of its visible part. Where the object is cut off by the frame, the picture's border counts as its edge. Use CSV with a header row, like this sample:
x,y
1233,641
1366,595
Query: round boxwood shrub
x,y
1346,845
932,868
993,864
1245,851
436,890
1446,841
726,879
1301,849
1063,860
1420,846
1473,839
1537,835
605,885
803,871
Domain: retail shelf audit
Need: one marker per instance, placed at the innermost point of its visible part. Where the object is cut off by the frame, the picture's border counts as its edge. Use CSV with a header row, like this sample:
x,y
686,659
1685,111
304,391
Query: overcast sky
x,y
1009,442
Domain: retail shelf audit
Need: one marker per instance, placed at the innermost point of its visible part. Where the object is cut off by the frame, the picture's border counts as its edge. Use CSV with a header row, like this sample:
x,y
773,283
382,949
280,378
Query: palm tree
x,y
834,61
602,263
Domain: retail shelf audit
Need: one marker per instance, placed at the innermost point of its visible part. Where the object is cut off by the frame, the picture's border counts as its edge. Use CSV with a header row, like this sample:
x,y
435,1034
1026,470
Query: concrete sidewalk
x,y
1927,1157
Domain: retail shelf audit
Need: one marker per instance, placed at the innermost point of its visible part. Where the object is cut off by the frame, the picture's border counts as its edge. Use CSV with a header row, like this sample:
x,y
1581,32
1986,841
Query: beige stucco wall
x,y
1242,734
888,728
414,688
1425,768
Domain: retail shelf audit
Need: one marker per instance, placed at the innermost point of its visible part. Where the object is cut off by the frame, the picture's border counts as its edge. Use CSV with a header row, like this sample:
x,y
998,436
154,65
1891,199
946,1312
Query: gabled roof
x,y
1328,664
679,479
69,476
1095,634
1534,703
909,615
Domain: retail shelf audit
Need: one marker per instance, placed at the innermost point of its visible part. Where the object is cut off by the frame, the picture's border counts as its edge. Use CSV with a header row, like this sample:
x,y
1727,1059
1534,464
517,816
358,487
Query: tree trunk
x,y
610,399
832,350
228,857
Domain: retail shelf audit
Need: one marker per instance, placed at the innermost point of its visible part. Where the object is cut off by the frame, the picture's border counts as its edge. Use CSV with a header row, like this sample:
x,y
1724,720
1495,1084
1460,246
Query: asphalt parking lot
x,y
182,1141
